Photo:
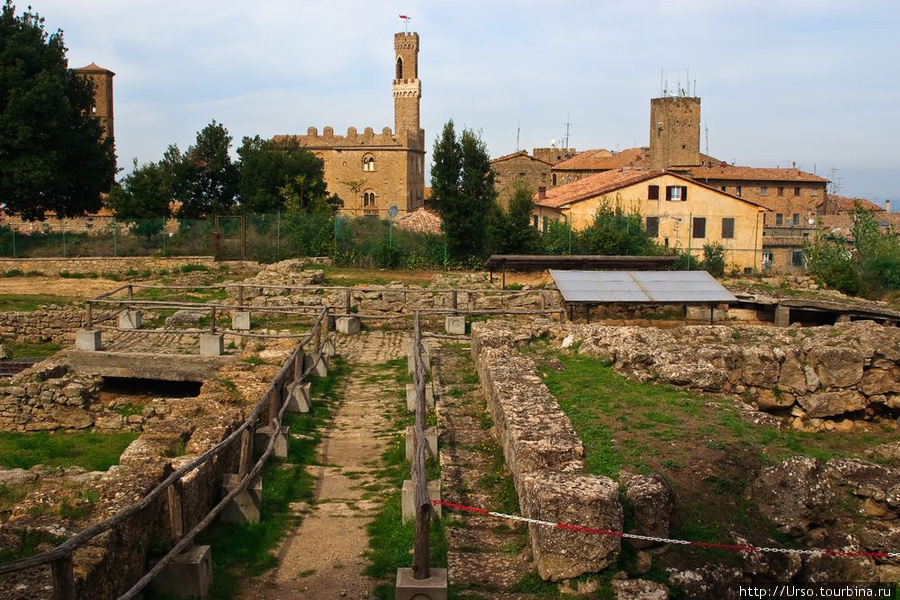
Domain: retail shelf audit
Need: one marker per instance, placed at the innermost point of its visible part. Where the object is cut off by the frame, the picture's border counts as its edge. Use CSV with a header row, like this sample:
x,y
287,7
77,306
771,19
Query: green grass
x,y
32,302
243,551
91,451
24,350
198,295
28,544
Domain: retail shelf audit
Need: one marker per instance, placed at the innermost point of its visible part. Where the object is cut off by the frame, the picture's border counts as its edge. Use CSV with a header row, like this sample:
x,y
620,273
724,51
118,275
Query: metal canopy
x,y
639,287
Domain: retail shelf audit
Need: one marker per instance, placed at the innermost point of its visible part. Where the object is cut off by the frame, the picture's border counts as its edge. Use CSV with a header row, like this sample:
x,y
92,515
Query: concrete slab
x,y
282,441
299,399
455,325
131,319
240,321
212,344
144,365
244,508
88,339
411,397
347,325
410,588
407,504
431,437
189,575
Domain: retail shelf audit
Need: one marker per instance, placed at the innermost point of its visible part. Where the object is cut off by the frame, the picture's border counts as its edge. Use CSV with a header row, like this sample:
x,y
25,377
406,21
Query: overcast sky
x,y
814,82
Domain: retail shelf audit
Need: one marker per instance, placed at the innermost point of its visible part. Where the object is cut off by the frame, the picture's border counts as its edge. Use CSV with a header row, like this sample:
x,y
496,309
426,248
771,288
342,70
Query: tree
x,y
143,198
52,153
204,179
615,232
273,172
518,234
463,190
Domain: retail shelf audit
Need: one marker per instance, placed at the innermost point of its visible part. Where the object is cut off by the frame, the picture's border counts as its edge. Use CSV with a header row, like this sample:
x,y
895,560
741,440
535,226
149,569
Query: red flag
x,y
404,17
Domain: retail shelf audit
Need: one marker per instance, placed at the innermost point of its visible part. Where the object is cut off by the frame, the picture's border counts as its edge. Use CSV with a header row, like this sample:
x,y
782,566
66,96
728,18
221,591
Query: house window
x,y
727,228
652,226
553,179
535,220
795,220
797,258
724,188
779,220
546,224
737,191
796,191
768,259
781,191
368,163
653,192
699,230
676,193
763,191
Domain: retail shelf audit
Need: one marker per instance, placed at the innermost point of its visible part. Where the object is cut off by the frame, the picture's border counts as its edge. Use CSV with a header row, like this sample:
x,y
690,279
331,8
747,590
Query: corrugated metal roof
x,y
653,287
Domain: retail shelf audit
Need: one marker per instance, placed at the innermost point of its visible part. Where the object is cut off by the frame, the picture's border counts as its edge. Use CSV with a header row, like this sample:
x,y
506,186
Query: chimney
x,y
542,192
887,206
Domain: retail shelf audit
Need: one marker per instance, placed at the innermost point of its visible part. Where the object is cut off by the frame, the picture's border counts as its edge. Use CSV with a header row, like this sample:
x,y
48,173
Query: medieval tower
x,y
372,172
102,108
674,132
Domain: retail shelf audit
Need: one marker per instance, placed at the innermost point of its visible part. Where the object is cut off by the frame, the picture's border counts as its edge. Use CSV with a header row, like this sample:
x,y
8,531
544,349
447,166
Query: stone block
x,y
347,325
299,398
410,588
212,344
455,325
130,319
189,575
411,397
431,437
318,364
407,498
88,339
782,316
329,347
282,441
243,508
572,499
240,321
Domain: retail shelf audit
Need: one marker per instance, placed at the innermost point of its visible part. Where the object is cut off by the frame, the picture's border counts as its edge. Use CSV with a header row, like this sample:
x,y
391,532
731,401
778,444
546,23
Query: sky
x,y
811,82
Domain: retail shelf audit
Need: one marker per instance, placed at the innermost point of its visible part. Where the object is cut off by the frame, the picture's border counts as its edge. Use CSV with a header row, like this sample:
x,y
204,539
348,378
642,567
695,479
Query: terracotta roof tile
x,y
519,154
844,204
594,185
604,160
729,172
420,221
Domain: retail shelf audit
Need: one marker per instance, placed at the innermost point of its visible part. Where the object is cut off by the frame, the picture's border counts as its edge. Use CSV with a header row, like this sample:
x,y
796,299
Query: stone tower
x,y
674,132
407,87
102,109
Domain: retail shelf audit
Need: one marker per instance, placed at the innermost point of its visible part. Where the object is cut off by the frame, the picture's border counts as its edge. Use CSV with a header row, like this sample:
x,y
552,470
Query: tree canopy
x,y
203,179
143,198
52,153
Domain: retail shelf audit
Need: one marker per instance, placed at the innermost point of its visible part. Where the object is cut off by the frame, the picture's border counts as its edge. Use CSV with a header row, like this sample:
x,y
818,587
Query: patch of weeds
x,y
32,302
14,273
29,541
33,273
306,573
253,359
193,267
29,350
91,451
127,410
231,388
531,583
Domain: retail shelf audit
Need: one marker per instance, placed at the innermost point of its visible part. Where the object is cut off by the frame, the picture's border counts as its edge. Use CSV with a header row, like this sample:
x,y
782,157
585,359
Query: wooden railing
x,y
270,407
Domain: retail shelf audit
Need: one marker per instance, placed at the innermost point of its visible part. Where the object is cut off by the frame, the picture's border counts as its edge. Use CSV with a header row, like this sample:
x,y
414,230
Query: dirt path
x,y
322,557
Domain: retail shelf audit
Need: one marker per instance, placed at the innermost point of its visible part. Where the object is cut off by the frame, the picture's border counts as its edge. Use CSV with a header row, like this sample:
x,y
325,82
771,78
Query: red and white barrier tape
x,y
662,540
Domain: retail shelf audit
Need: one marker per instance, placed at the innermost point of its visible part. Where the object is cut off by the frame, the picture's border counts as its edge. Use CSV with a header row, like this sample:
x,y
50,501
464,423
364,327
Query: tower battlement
x,y
406,41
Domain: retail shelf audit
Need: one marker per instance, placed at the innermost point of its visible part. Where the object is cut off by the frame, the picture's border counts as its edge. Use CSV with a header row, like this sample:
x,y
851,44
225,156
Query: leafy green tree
x,y
204,179
463,191
877,254
830,260
143,198
616,232
52,153
517,235
275,172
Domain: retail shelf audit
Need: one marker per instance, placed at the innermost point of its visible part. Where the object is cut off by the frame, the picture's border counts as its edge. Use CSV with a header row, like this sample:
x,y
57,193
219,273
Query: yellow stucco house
x,y
680,212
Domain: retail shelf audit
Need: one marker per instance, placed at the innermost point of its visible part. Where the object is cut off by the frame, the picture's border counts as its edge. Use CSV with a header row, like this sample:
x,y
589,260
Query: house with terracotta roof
x,y
679,212
516,169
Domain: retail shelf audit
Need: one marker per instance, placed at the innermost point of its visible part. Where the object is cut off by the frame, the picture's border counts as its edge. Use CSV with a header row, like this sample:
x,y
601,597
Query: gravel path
x,y
322,557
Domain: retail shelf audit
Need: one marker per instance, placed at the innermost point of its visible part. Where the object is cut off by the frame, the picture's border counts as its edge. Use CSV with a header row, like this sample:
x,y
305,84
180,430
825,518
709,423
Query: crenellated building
x,y
373,171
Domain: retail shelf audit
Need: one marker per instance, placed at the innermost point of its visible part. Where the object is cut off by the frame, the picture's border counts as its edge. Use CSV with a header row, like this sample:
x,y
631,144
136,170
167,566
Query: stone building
x,y
102,108
518,168
373,171
678,211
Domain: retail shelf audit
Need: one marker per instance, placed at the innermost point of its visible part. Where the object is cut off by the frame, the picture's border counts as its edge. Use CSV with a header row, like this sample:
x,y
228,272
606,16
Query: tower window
x,y
368,162
399,68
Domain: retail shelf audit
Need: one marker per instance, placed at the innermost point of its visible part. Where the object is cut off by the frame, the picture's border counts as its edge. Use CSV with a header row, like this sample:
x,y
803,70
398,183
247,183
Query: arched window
x,y
368,163
369,203
399,68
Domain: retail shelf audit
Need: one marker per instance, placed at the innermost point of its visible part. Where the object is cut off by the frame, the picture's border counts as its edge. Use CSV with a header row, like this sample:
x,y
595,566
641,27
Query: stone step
x,y
485,570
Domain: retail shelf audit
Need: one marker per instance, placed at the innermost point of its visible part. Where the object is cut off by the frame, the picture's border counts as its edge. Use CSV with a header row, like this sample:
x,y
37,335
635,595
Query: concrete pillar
x,y
189,575
130,319
243,508
407,498
782,316
411,397
282,441
240,321
87,339
347,325
431,437
455,325
298,398
329,348
212,344
410,588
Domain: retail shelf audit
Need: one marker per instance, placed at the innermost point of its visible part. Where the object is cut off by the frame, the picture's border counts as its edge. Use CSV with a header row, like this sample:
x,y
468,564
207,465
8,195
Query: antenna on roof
x,y
518,128
567,131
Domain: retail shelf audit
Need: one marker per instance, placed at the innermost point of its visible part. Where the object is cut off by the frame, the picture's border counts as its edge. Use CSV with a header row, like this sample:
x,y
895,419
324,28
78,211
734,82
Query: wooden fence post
x,y
63,578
